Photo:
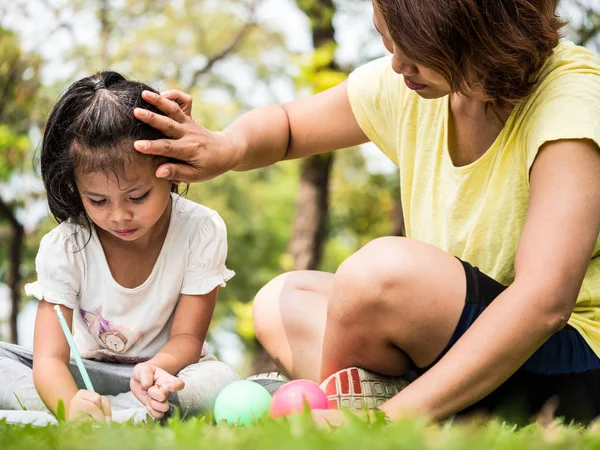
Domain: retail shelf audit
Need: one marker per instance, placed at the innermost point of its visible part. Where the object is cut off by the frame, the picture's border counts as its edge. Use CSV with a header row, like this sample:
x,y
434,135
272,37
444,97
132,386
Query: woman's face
x,y
425,82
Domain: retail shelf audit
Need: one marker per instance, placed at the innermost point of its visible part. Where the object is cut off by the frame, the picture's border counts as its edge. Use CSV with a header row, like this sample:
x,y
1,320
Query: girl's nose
x,y
120,215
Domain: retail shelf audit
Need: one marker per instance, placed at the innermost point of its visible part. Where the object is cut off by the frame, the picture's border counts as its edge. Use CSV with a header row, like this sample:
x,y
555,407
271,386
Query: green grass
x,y
300,433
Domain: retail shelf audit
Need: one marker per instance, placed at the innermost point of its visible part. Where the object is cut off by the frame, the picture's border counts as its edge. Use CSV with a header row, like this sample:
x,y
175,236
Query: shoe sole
x,y
358,389
276,376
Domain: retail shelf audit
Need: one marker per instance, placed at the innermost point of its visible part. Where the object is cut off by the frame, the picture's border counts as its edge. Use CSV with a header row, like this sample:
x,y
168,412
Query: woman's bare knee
x,y
265,309
374,277
362,280
399,292
289,320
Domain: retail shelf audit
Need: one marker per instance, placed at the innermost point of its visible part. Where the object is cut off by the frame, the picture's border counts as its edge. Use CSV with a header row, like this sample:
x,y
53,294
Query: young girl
x,y
134,267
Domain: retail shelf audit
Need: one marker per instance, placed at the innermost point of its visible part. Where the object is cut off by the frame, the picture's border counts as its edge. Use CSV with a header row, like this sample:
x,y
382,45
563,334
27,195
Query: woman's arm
x,y
188,332
554,251
261,137
317,124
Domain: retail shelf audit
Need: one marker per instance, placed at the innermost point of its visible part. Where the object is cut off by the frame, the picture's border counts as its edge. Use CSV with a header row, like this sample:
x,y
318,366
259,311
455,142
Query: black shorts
x,y
564,367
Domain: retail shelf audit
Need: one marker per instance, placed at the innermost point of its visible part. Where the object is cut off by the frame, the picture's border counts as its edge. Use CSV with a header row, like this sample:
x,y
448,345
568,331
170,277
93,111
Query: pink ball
x,y
291,397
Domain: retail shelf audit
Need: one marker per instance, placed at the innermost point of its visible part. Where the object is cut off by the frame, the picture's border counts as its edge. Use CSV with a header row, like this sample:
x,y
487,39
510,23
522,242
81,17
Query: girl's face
x,y
127,209
425,82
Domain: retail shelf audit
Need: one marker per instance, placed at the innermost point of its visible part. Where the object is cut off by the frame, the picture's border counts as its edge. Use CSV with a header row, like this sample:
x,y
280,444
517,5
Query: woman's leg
x,y
289,316
394,302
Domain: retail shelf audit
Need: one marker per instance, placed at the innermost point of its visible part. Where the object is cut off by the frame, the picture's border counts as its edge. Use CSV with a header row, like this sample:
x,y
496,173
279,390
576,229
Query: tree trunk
x,y
105,32
590,29
308,232
308,235
14,275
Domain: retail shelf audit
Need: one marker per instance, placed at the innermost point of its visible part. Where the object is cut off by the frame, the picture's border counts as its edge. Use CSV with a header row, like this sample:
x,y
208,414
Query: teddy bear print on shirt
x,y
112,339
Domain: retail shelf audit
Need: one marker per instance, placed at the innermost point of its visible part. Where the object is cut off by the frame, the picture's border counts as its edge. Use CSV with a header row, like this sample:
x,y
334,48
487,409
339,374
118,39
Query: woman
x,y
495,128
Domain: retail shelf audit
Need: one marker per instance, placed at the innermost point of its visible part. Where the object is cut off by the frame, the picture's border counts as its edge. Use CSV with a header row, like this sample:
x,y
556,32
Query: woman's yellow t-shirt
x,y
477,211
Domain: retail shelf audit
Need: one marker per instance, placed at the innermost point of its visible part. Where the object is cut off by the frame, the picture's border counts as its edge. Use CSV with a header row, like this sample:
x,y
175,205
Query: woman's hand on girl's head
x,y
203,154
89,405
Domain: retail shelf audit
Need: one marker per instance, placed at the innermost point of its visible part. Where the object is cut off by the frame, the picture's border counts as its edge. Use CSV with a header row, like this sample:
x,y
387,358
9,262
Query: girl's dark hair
x,y
495,46
92,128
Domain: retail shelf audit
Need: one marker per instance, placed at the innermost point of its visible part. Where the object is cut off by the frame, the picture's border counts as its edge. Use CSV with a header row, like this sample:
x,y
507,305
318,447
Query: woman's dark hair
x,y
495,46
92,128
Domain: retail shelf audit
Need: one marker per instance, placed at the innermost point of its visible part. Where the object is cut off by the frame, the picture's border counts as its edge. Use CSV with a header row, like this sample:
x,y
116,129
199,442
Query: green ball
x,y
242,402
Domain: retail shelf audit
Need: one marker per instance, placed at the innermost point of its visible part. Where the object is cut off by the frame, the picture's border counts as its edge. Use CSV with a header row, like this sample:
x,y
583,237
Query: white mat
x,y
41,419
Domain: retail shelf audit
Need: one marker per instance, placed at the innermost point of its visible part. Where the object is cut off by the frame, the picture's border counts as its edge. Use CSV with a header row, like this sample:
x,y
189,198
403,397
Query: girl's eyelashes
x,y
97,202
142,198
134,200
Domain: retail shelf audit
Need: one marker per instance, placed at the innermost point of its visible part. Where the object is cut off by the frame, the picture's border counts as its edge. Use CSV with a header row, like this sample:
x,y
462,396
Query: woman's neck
x,y
473,127
477,110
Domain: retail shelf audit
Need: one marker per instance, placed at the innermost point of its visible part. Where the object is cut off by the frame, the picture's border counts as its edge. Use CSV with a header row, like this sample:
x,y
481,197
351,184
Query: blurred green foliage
x,y
20,87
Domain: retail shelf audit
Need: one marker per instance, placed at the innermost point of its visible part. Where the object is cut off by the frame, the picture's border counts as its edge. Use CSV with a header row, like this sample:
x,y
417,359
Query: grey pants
x,y
203,381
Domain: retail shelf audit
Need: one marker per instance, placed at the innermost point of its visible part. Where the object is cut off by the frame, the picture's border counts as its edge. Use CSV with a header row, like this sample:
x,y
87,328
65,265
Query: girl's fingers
x,y
168,126
161,407
143,375
106,409
174,385
89,396
158,394
88,405
146,378
170,107
154,413
94,410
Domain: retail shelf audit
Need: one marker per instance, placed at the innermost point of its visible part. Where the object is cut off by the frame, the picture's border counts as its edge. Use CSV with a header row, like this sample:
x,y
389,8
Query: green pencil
x,y
76,355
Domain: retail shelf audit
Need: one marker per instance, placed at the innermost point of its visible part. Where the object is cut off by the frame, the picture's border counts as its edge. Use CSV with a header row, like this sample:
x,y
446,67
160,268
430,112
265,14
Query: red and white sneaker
x,y
358,389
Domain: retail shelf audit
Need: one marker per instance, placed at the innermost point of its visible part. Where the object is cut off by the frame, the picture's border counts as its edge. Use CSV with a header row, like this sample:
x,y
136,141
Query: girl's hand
x,y
203,154
86,405
152,385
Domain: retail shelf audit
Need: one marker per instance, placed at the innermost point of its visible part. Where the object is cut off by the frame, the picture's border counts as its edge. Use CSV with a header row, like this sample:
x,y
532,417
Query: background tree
x,y
19,87
312,204
585,23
